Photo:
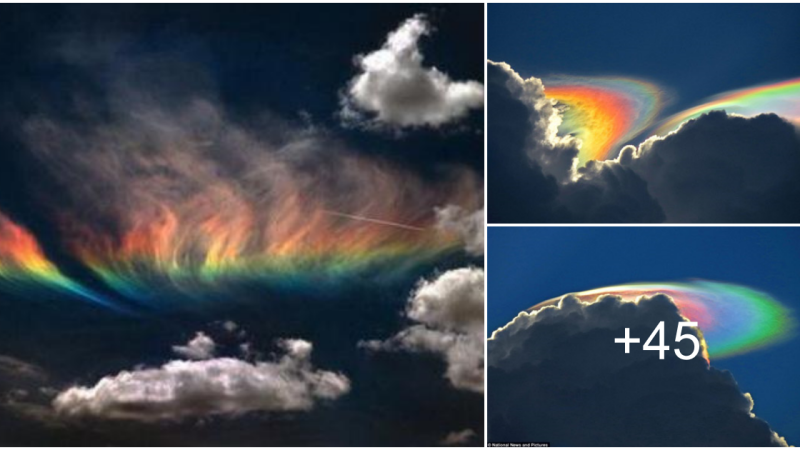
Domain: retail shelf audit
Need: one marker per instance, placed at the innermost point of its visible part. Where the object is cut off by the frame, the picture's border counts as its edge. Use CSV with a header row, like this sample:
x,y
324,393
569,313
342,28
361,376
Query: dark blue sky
x,y
693,50
529,265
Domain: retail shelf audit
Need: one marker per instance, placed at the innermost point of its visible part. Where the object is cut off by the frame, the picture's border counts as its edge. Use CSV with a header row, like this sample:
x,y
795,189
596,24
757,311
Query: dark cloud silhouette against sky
x,y
527,268
557,376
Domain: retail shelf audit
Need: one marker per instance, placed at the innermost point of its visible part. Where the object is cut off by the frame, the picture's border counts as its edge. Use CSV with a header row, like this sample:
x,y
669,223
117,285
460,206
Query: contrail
x,y
377,221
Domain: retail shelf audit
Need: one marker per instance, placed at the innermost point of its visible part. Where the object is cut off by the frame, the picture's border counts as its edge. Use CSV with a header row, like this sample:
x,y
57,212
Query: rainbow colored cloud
x,y
781,98
23,265
604,112
734,319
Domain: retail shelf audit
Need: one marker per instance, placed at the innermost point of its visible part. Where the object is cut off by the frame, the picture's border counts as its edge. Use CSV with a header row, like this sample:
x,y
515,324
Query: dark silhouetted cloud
x,y
557,376
723,168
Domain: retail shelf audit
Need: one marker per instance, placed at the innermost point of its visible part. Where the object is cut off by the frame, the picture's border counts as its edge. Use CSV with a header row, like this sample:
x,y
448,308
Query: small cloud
x,y
230,326
200,347
393,90
459,437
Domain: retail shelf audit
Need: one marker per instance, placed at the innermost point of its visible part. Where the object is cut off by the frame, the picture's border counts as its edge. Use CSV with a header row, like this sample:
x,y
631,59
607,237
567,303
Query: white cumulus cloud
x,y
449,315
221,386
393,89
200,347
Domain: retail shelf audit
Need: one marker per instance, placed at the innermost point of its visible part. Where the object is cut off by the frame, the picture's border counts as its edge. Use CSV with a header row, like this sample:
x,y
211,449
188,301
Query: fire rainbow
x,y
734,319
23,265
781,98
604,112
319,249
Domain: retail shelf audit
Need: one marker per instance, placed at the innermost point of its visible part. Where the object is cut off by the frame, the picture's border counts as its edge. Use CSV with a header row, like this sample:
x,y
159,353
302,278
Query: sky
x,y
272,195
530,265
611,77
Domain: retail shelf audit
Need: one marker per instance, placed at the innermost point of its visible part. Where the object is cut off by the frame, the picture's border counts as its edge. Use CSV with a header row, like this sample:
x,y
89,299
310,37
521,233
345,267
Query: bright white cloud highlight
x,y
200,347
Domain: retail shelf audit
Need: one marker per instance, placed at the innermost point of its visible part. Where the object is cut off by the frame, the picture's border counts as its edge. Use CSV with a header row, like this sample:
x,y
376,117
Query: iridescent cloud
x,y
604,112
734,319
781,98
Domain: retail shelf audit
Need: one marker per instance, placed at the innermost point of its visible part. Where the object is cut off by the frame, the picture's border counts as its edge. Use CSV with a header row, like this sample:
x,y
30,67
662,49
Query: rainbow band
x,y
604,112
781,98
142,277
23,265
319,248
734,319
166,255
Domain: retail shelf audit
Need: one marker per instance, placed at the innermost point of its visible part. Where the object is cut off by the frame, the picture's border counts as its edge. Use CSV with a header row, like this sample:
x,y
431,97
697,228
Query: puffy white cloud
x,y
449,320
459,437
200,347
468,225
395,90
716,168
220,386
556,375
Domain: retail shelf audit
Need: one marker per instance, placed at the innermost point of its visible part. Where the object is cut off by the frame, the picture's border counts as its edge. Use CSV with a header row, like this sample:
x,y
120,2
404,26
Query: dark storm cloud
x,y
394,90
717,168
557,376
723,168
